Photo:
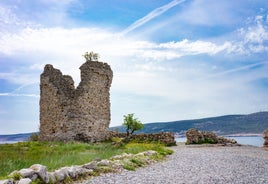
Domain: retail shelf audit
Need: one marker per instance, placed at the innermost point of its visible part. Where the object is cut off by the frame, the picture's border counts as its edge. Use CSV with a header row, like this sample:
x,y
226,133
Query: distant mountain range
x,y
15,137
254,123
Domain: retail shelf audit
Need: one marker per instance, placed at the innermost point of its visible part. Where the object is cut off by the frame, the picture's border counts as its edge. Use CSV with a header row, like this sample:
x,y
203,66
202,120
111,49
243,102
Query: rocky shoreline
x,y
199,164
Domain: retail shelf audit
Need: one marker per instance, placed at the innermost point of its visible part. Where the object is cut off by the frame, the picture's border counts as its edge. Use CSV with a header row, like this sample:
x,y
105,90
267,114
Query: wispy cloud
x,y
56,41
19,95
256,36
235,70
20,77
156,12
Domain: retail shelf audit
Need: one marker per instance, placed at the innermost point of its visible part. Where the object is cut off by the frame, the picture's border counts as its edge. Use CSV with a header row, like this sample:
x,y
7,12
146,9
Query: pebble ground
x,y
198,164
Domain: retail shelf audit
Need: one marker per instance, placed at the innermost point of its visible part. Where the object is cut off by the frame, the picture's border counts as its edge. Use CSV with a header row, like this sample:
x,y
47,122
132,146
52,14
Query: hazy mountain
x,y
222,125
15,137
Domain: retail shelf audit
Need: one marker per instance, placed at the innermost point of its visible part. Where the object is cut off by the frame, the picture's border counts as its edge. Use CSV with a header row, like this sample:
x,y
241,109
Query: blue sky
x,y
172,60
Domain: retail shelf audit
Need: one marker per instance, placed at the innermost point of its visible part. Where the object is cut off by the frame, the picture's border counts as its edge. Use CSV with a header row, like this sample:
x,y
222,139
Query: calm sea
x,y
8,142
254,141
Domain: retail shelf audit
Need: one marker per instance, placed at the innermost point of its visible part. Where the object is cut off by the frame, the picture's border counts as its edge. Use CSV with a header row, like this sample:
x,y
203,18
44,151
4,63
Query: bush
x,y
34,137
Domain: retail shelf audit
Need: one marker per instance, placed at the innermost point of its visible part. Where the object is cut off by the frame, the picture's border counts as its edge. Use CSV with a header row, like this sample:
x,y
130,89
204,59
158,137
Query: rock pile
x,y
201,137
265,137
39,174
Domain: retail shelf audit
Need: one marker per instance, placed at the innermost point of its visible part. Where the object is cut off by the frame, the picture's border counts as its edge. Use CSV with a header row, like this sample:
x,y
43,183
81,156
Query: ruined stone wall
x,y
203,137
83,113
166,138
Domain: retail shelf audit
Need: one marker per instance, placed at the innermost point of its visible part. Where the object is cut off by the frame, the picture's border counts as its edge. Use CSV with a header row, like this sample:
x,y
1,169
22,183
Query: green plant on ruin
x,y
91,56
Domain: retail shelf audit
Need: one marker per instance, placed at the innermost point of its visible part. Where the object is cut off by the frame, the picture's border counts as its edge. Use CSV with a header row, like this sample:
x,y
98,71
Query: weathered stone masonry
x,y
83,113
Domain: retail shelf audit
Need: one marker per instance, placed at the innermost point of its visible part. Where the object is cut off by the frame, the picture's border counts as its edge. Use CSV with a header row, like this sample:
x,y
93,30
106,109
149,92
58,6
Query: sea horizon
x,y
244,140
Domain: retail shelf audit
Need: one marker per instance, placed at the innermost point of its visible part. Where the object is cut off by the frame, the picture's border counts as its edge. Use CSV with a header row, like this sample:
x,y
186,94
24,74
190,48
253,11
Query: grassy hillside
x,y
223,125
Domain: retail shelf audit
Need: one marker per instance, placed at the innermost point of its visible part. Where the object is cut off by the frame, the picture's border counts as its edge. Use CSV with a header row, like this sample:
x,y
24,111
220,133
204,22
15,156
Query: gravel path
x,y
198,164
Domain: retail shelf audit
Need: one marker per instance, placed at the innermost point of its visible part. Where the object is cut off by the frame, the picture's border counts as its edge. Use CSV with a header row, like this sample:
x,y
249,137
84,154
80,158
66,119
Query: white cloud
x,y
143,69
208,13
20,78
195,47
69,43
254,38
7,16
257,34
156,12
19,95
64,48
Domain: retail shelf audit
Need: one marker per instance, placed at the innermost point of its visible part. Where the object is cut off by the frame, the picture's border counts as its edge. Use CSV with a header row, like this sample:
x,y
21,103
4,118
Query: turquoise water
x,y
253,141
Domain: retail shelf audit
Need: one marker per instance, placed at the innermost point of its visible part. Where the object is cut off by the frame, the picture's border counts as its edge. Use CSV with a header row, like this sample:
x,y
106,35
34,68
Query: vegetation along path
x,y
199,164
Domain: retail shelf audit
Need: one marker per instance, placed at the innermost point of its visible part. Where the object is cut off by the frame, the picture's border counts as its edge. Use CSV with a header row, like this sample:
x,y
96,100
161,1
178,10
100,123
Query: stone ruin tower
x,y
69,113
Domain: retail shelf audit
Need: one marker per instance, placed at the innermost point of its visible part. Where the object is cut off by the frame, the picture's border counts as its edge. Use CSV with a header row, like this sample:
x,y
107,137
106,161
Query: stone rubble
x,y
39,172
166,138
199,137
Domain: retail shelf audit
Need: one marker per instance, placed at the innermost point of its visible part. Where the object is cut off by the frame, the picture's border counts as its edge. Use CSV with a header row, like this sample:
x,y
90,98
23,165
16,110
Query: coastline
x,y
244,135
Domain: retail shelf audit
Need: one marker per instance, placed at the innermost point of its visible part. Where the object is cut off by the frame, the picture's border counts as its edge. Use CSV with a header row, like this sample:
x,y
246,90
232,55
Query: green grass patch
x,y
137,162
140,147
129,167
57,154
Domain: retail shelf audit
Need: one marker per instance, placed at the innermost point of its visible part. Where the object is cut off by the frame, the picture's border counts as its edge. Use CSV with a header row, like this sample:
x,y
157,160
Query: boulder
x,y
104,163
26,173
25,181
61,174
76,171
41,171
34,177
51,177
91,165
9,181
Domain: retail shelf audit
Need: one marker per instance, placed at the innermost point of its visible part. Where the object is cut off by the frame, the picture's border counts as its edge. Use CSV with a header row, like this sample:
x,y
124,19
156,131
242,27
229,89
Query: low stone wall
x,y
38,173
166,138
201,137
265,137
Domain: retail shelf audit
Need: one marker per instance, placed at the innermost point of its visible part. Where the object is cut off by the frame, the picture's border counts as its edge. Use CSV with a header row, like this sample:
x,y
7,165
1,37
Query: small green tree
x,y
91,56
132,124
